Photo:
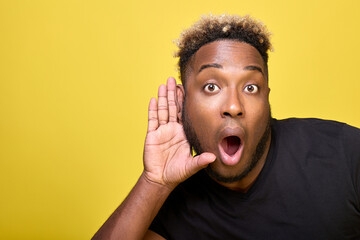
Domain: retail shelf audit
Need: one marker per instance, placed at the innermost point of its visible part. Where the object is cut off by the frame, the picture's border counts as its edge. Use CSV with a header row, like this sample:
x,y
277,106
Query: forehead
x,y
227,53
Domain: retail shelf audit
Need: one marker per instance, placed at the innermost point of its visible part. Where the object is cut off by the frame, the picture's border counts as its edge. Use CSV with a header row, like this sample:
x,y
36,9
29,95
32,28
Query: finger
x,y
201,161
153,123
171,86
163,112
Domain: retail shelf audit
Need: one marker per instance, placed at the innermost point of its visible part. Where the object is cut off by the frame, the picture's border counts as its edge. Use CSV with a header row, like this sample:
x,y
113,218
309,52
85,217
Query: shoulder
x,y
313,128
320,139
317,137
312,123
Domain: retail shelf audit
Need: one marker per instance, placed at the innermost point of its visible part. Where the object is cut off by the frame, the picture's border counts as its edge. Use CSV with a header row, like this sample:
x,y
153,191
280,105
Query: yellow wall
x,y
75,81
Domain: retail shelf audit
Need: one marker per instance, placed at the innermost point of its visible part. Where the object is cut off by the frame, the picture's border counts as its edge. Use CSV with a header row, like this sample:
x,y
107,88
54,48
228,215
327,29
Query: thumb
x,y
201,161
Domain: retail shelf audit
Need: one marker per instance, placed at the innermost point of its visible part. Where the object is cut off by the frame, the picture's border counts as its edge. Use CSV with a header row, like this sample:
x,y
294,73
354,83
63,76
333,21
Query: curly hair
x,y
217,27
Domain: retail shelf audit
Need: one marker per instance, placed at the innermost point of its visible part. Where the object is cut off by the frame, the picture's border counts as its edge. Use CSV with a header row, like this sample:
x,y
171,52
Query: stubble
x,y
196,146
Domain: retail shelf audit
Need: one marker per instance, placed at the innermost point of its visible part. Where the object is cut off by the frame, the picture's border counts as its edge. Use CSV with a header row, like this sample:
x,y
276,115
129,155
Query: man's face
x,y
226,109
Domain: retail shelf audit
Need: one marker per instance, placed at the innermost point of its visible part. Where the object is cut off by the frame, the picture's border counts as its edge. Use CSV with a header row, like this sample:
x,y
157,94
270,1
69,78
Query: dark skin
x,y
226,95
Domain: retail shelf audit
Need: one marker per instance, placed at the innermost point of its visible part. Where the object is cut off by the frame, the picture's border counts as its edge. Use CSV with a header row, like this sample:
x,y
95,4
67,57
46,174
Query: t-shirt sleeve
x,y
351,144
162,221
157,226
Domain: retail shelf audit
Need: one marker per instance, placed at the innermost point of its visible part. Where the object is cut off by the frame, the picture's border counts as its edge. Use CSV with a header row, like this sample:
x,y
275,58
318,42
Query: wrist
x,y
156,185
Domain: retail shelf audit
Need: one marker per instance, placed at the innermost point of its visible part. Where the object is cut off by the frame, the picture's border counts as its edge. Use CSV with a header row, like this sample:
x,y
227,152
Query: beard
x,y
196,146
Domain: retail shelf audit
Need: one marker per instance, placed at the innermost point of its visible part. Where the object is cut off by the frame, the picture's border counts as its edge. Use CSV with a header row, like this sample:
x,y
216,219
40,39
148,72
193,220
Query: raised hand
x,y
167,162
167,155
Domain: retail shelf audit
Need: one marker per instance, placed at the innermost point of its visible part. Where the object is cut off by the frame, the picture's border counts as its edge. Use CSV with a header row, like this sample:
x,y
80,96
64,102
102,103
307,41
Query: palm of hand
x,y
167,154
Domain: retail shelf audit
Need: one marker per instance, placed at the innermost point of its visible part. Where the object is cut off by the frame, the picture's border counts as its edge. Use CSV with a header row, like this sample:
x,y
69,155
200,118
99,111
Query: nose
x,y
232,106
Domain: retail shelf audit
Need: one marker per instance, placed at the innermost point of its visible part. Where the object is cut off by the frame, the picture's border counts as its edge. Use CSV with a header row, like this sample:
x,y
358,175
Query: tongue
x,y
231,145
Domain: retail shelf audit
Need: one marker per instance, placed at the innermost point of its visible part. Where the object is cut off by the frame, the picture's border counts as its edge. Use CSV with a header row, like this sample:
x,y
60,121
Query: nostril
x,y
230,115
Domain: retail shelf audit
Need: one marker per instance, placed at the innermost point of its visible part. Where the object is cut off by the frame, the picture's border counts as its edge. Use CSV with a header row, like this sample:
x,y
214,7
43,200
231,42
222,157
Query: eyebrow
x,y
255,68
216,65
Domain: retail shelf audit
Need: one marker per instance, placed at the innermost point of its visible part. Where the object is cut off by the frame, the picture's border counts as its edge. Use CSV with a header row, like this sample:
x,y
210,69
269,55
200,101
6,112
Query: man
x,y
253,177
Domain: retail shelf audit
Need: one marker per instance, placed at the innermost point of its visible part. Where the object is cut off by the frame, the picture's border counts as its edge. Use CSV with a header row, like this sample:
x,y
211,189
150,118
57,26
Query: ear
x,y
180,94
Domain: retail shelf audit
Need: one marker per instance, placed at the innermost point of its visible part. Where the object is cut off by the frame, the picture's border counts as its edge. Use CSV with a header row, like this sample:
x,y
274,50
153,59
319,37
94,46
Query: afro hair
x,y
219,27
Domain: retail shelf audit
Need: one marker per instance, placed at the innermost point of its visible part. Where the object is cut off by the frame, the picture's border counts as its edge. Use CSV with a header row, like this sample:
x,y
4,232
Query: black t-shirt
x,y
309,188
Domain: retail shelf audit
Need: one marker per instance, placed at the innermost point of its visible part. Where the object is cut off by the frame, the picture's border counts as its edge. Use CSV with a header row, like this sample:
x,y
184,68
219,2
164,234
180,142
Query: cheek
x,y
257,105
203,117
258,111
202,108
257,115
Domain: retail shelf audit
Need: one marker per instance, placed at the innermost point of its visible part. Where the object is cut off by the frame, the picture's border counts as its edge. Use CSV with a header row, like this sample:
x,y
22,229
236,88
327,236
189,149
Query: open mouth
x,y
231,145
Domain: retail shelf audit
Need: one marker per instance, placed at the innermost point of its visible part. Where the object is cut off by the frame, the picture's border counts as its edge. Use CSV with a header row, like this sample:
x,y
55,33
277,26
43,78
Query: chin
x,y
229,174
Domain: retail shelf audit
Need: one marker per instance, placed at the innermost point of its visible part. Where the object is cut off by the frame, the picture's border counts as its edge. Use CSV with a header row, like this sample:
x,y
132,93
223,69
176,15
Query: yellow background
x,y
75,81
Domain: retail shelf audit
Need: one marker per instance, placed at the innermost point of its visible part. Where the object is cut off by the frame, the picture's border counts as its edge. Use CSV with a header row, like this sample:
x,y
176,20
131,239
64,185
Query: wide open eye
x,y
211,88
252,88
